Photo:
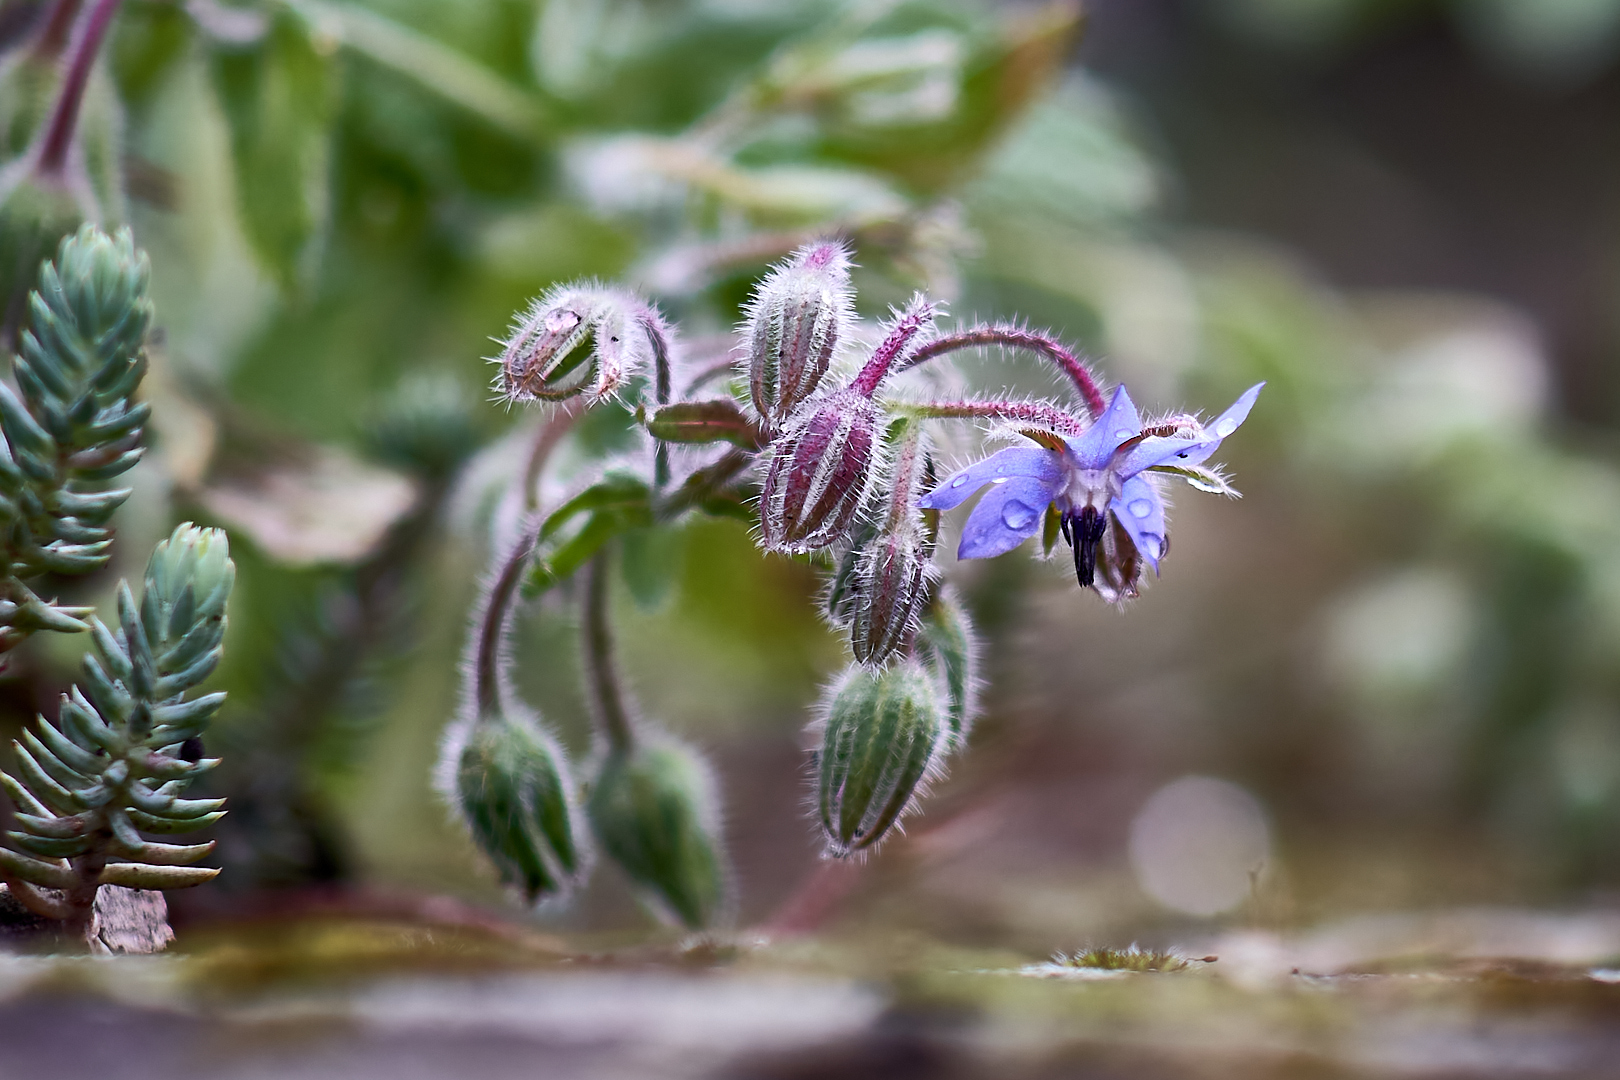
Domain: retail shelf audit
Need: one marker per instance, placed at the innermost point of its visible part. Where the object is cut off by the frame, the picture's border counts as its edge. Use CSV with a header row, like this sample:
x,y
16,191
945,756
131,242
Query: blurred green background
x,y
1397,653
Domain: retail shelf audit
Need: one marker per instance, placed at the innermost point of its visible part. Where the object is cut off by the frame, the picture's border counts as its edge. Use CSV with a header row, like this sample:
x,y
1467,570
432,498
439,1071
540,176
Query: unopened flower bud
x,y
513,792
34,215
881,740
894,577
894,570
655,813
793,326
820,469
579,340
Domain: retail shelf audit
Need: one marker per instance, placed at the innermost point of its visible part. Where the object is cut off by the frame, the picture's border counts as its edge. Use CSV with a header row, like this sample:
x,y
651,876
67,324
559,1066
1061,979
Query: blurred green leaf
x,y
278,98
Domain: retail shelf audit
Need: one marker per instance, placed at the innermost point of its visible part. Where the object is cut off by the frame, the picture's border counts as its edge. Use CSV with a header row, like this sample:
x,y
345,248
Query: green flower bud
x,y
881,740
946,645
34,215
512,790
655,813
426,425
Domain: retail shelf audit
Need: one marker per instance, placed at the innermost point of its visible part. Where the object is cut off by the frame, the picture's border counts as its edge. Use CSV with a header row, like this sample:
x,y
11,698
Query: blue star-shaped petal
x,y
1110,513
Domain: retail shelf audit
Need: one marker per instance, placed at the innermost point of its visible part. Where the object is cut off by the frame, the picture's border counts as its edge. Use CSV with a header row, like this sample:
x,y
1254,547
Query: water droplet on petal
x,y
1000,470
1226,427
1124,433
999,480
1015,515
959,481
1141,508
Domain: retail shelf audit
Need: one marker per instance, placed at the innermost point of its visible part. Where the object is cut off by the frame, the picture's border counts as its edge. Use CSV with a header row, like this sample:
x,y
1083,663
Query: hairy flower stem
x,y
53,38
661,389
1019,412
889,355
703,484
1012,337
546,437
64,120
601,679
491,631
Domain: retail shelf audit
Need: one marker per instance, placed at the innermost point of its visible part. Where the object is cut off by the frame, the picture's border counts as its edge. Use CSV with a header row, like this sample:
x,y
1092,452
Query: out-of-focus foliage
x,y
1557,41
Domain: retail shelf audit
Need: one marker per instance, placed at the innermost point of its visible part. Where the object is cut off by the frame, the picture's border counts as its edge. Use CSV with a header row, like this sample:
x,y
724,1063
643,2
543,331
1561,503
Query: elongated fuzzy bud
x,y
581,339
512,791
654,810
881,740
895,572
895,567
819,473
793,326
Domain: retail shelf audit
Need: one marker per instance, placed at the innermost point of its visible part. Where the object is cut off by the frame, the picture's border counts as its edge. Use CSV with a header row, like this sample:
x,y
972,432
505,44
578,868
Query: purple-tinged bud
x,y
894,569
883,734
895,572
793,326
820,469
579,340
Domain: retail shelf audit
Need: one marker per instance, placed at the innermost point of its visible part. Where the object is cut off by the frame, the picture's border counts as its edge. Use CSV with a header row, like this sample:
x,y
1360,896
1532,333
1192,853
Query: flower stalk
x,y
58,138
607,697
1014,337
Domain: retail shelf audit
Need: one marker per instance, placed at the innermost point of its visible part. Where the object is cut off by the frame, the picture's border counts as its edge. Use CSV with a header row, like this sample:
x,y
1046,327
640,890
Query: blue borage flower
x,y
1110,513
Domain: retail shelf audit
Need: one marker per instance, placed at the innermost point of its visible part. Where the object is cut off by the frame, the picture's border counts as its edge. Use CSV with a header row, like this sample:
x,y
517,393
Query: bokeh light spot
x,y
1197,844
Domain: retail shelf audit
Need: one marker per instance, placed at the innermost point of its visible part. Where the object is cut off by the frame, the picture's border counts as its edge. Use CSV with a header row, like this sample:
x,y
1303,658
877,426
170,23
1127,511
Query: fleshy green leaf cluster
x,y
73,424
127,741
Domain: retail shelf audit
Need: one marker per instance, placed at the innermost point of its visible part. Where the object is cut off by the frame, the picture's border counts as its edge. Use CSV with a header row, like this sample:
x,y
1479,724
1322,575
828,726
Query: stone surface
x,y
130,921
126,921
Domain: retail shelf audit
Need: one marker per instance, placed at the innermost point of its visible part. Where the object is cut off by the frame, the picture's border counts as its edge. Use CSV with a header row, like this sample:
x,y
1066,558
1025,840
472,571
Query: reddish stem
x,y
816,900
65,117
915,319
1022,412
547,436
1013,337
487,663
54,37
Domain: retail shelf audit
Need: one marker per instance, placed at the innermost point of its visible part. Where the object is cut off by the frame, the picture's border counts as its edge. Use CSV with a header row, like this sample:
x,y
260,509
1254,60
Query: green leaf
x,y
704,422
52,875
652,560
144,876
278,99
